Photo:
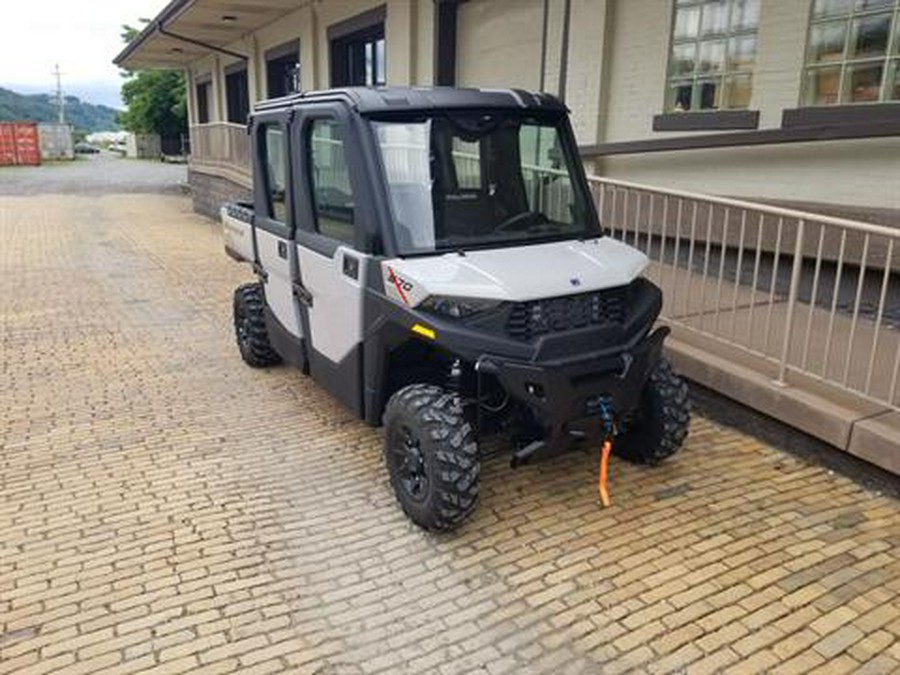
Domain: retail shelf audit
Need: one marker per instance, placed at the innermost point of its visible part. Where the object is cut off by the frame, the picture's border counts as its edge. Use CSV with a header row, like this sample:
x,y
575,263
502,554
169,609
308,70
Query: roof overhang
x,y
186,30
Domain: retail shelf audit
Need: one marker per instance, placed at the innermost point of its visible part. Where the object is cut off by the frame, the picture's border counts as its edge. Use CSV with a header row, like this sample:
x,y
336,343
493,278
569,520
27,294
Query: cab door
x,y
274,220
330,253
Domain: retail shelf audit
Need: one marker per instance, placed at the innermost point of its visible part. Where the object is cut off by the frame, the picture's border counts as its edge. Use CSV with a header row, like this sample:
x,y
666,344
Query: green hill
x,y
85,117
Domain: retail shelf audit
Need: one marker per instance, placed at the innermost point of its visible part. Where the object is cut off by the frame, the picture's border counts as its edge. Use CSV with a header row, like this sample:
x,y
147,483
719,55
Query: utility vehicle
x,y
433,258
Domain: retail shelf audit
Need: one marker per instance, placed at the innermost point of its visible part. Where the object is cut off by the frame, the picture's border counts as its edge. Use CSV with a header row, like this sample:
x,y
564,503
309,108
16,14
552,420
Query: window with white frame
x,y
712,55
853,52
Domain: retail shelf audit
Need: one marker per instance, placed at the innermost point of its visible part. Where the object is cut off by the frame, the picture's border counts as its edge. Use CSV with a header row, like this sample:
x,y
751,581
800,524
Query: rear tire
x,y
662,422
431,456
250,327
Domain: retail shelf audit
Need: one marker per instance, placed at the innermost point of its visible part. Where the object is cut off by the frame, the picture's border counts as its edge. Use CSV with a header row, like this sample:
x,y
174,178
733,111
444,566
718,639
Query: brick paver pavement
x,y
165,508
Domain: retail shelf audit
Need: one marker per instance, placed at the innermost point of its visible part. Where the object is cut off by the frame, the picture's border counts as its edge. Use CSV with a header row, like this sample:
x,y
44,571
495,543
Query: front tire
x,y
662,423
250,327
431,456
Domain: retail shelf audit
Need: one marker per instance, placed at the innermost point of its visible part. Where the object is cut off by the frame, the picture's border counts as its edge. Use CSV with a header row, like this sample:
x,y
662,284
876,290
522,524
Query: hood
x,y
515,274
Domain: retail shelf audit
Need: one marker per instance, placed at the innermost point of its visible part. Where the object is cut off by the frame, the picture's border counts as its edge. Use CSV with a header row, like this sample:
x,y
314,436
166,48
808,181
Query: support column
x,y
399,35
309,51
217,114
400,41
253,89
191,91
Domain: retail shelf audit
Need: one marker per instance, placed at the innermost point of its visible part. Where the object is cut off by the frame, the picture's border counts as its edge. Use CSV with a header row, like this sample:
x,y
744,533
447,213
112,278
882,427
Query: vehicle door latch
x,y
260,272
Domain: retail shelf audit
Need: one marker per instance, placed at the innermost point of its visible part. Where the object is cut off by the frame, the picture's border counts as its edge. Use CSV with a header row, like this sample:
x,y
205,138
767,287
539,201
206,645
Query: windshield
x,y
481,180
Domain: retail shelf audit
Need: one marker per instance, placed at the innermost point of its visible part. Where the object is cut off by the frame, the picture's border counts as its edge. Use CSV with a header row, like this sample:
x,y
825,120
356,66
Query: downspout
x,y
535,186
446,19
544,46
564,52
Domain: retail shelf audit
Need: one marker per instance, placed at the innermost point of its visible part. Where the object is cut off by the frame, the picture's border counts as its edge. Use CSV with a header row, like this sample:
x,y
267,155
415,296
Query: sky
x,y
81,35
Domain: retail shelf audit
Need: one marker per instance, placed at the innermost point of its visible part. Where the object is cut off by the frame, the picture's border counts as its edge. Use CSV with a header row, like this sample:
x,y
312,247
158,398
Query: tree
x,y
156,99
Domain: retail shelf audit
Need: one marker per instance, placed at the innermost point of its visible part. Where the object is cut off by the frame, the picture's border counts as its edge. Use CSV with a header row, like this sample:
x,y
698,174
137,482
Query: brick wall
x,y
779,59
587,44
638,55
499,44
209,192
857,176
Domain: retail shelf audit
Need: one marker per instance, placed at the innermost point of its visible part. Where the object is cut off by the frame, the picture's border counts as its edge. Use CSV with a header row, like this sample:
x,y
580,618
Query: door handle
x,y
282,249
351,266
302,294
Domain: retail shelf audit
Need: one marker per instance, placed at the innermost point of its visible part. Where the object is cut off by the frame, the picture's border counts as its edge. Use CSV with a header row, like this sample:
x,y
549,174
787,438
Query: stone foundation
x,y
210,192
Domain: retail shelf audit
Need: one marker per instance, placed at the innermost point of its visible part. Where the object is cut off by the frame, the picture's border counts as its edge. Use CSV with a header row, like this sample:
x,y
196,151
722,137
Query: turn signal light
x,y
424,331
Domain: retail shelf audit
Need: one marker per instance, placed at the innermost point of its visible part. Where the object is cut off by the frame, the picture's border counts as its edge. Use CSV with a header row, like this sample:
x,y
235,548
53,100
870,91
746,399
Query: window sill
x,y
841,115
706,121
833,132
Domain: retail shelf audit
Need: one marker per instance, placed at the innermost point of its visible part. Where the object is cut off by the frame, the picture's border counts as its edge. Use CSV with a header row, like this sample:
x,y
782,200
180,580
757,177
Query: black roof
x,y
398,99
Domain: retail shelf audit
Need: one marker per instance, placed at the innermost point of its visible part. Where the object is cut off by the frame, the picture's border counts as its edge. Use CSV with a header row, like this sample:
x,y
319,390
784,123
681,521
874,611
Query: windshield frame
x,y
591,228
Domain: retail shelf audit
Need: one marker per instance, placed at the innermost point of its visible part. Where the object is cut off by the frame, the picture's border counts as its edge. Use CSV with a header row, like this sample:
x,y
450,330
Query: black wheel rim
x,y
410,467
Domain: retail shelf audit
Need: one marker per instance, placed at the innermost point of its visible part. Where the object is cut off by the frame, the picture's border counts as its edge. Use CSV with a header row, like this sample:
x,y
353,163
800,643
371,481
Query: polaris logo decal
x,y
402,285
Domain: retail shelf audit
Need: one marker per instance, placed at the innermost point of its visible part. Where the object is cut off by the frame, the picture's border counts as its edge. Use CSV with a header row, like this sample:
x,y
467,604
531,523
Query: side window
x,y
544,173
274,156
853,53
713,50
332,195
467,162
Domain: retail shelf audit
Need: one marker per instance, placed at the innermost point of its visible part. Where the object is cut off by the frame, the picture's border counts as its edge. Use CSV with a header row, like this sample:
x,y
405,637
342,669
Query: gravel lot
x,y
104,173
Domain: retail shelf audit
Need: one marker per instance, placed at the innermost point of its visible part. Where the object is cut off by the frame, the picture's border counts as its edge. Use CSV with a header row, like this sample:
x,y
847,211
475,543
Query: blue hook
x,y
606,414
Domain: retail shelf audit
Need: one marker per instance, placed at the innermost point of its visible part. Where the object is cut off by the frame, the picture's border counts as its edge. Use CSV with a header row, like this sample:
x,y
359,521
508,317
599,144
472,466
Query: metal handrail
x,y
827,312
871,228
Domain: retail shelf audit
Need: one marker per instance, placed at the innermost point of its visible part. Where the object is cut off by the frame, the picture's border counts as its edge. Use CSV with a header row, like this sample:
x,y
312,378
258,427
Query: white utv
x,y
433,258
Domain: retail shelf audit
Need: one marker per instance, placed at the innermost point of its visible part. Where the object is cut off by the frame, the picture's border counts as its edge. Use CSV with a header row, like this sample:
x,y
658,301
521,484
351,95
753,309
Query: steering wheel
x,y
515,222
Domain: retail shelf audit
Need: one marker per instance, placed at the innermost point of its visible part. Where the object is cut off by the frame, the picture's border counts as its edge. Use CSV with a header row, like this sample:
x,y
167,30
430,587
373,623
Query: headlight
x,y
457,308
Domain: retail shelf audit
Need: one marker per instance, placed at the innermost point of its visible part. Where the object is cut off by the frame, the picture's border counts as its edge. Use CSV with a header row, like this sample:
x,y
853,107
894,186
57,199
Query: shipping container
x,y
56,141
19,144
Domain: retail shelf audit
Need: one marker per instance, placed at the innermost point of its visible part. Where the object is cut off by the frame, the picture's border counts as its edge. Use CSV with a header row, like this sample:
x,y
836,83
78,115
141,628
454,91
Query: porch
x,y
222,149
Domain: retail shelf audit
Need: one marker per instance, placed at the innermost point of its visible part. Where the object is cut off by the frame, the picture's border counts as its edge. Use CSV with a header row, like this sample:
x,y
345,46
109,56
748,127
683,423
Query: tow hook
x,y
609,431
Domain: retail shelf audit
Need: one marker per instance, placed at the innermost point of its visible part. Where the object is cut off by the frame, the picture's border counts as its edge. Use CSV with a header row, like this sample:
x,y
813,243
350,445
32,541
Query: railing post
x,y
796,268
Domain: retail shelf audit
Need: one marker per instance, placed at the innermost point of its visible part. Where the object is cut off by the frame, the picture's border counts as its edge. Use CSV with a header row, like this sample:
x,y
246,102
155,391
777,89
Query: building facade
x,y
789,101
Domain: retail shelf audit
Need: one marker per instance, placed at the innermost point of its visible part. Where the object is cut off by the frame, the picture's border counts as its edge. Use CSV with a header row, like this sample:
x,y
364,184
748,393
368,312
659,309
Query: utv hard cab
x,y
433,258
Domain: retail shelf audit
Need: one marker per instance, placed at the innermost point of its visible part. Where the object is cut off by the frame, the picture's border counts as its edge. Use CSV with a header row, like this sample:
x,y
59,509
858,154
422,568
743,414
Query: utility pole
x,y
60,100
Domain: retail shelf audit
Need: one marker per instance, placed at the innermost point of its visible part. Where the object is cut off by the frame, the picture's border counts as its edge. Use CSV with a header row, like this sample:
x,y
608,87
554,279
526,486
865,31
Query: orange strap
x,y
604,465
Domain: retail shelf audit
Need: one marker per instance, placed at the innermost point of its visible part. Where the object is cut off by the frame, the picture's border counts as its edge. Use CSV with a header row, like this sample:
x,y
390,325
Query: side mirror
x,y
374,243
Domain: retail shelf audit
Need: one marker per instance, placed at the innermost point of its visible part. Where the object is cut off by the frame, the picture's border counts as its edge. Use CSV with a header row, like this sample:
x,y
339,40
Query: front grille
x,y
555,315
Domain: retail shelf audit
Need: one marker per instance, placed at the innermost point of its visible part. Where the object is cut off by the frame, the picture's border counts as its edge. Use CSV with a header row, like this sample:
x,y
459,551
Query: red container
x,y
19,144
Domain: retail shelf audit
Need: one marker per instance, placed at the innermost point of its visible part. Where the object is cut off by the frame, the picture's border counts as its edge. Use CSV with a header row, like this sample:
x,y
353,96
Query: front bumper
x,y
562,394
